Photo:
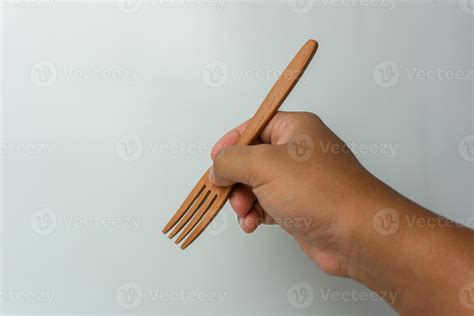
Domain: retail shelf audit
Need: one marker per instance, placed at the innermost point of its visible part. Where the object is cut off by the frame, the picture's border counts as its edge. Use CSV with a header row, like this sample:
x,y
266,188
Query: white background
x,y
125,148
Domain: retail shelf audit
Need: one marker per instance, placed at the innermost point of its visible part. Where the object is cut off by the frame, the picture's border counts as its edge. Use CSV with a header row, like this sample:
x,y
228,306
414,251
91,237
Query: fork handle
x,y
280,90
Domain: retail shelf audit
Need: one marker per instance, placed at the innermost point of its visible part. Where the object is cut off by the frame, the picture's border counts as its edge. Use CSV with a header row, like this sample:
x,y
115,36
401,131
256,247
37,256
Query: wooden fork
x,y
206,200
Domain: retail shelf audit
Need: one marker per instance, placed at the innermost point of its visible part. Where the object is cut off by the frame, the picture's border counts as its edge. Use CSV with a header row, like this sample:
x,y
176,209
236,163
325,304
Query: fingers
x,y
250,165
242,200
229,138
254,218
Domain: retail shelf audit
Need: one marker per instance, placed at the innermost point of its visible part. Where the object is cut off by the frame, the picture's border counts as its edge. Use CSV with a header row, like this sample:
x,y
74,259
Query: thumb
x,y
249,165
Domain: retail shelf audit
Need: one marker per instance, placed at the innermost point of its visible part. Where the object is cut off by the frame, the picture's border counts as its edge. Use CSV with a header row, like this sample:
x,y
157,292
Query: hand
x,y
301,176
293,176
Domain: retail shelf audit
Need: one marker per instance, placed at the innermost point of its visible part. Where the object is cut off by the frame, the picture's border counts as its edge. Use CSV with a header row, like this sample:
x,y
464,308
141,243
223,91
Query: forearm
x,y
416,260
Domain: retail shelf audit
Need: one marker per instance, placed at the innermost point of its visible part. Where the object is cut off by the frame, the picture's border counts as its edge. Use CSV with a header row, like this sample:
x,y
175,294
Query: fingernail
x,y
241,222
212,176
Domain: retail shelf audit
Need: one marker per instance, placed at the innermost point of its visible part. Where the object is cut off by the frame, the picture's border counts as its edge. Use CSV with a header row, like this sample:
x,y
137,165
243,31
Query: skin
x,y
346,220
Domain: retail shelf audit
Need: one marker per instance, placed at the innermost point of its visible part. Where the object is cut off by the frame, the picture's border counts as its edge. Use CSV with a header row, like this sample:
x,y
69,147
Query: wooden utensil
x,y
206,200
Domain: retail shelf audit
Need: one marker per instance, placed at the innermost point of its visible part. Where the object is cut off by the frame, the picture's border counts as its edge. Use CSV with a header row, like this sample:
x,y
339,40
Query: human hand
x,y
292,176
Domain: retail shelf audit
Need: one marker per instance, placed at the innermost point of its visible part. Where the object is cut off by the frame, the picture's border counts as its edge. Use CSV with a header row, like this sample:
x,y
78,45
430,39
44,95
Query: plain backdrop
x,y
109,110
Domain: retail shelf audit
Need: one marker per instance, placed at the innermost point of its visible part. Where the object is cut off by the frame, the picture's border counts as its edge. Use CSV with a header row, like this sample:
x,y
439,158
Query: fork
x,y
206,200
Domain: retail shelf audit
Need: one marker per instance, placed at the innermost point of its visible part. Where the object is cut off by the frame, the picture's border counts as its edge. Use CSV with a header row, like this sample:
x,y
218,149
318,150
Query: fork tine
x,y
207,218
196,219
194,208
192,196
